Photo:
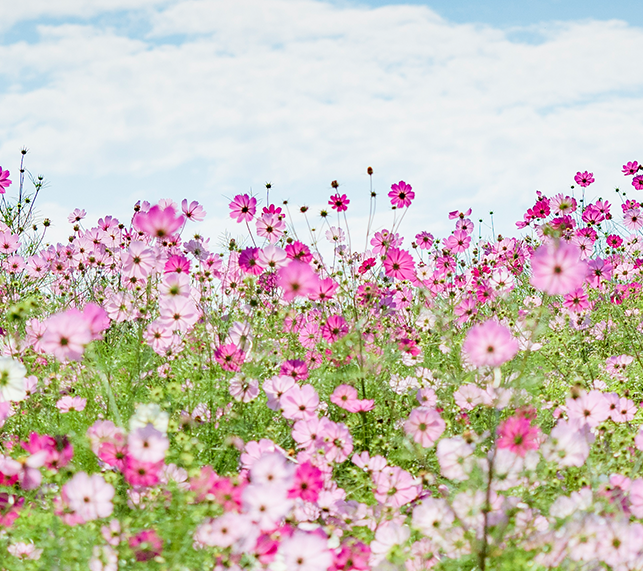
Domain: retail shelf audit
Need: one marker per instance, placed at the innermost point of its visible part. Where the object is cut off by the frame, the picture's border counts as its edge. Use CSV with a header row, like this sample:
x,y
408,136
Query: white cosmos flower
x,y
12,380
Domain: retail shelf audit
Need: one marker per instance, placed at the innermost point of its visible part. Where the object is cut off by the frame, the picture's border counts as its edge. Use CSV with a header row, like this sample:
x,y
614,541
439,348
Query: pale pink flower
x,y
69,403
306,433
23,550
179,313
147,444
468,396
66,335
490,345
299,403
139,261
244,389
344,396
557,270
223,531
193,211
266,505
337,442
272,469
306,552
589,408
395,487
425,425
271,227
456,458
566,445
297,279
89,496
636,497
275,388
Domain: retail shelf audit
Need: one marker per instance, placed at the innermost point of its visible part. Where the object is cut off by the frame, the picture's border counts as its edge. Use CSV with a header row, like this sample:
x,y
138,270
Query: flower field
x,y
456,402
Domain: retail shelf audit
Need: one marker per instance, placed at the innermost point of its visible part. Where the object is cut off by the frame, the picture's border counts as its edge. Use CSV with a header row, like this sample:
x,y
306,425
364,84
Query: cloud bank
x,y
208,98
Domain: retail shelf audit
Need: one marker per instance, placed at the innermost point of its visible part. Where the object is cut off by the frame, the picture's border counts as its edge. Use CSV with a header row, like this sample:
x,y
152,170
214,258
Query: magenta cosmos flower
x,y
401,194
399,264
584,178
557,270
243,207
339,202
4,180
490,345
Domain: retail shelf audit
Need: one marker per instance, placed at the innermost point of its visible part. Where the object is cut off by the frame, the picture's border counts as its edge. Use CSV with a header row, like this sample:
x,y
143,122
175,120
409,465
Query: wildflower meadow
x,y
454,402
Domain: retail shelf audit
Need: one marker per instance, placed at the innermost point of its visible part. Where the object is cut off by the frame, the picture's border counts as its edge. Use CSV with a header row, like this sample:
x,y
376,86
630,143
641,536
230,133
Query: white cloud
x,y
301,92
12,13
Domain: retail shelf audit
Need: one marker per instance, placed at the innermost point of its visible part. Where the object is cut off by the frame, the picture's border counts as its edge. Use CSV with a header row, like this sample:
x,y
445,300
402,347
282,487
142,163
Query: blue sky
x,y
506,13
474,104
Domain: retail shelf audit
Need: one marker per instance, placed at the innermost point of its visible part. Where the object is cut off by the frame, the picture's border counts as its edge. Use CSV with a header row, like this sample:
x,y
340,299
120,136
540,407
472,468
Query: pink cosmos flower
x,y
178,313
266,505
395,487
194,211
243,207
306,552
69,403
177,265
425,425
271,227
577,300
275,388
344,396
147,444
399,264
230,357
339,203
566,445
249,261
637,182
295,368
138,261
335,328
299,403
65,336
456,459
584,178
424,240
589,408
297,279
518,435
630,168
158,222
326,289
401,194
89,496
490,345
139,473
146,545
557,270
307,483
307,433
337,441
458,242
4,181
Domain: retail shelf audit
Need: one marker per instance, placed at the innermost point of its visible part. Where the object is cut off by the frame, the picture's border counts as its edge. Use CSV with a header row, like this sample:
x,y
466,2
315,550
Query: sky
x,y
475,104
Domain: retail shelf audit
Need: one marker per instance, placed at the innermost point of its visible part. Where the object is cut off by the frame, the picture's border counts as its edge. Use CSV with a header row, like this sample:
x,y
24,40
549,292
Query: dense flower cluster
x,y
455,401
